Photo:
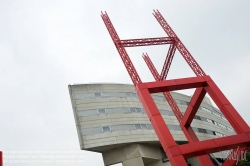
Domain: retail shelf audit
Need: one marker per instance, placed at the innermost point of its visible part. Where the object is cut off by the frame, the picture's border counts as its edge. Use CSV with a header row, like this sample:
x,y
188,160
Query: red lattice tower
x,y
203,84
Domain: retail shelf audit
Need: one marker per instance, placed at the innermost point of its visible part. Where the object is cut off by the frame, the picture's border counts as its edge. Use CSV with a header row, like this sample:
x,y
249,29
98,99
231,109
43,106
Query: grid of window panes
x,y
123,127
141,110
215,111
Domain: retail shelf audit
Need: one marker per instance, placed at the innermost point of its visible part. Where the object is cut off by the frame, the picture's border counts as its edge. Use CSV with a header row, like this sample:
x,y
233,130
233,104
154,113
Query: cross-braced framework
x,y
203,84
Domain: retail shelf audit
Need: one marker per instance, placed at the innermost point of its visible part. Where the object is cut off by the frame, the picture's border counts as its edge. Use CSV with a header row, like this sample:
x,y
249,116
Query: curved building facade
x,y
111,120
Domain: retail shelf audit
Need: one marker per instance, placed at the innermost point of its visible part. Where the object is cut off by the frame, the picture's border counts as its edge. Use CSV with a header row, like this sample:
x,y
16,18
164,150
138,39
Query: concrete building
x,y
111,120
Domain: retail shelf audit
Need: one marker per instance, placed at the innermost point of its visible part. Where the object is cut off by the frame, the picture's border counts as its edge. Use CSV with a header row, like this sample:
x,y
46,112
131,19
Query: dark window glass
x,y
177,128
203,119
128,94
209,132
134,95
143,126
101,111
195,129
132,109
202,130
177,101
105,129
183,102
137,126
97,94
198,117
170,113
138,110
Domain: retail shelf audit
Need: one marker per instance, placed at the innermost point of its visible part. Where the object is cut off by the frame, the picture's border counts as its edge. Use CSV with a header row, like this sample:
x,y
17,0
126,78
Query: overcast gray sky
x,y
46,45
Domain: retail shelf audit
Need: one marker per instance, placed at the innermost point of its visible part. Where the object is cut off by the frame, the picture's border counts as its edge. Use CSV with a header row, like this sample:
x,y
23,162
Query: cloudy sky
x,y
46,45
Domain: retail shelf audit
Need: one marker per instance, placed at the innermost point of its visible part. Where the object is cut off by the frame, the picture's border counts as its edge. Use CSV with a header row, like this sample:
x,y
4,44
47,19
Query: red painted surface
x,y
1,158
203,84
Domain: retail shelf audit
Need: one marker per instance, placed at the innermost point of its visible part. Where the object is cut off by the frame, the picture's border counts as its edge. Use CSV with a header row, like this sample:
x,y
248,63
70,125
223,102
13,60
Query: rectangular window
x,y
143,126
202,130
132,110
97,95
128,94
138,110
134,95
137,126
197,117
101,111
105,129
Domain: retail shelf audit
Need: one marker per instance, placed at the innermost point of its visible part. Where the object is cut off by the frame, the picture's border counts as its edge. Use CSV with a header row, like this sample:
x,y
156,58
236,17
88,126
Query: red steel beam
x,y
147,41
234,118
167,95
120,48
151,67
176,84
168,62
192,137
193,107
214,145
173,151
180,46
1,158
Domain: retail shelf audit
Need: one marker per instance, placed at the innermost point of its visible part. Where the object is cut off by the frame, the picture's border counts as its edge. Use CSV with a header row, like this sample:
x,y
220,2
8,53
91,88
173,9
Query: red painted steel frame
x,y
167,95
195,147
189,133
1,158
203,84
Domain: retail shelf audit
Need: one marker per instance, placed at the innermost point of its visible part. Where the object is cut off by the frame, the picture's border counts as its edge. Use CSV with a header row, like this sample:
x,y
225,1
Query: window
x,y
101,111
138,110
128,94
134,95
202,130
132,110
197,117
105,129
161,98
97,95
177,127
143,126
137,126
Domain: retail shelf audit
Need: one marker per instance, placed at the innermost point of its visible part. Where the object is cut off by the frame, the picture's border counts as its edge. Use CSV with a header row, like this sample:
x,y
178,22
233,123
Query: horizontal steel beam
x,y
147,41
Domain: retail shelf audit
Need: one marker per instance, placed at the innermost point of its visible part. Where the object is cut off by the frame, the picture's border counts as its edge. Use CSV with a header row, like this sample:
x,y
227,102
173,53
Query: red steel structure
x,y
1,158
203,84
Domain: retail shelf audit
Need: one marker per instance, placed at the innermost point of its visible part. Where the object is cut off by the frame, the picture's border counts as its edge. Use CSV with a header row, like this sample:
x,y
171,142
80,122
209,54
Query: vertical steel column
x,y
1,158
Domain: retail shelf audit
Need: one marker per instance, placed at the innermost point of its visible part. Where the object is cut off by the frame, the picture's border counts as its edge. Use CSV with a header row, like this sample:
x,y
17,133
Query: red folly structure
x,y
203,84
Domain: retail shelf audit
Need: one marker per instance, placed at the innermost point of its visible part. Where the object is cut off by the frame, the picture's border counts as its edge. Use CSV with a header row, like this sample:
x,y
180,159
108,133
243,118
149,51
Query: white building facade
x,y
111,120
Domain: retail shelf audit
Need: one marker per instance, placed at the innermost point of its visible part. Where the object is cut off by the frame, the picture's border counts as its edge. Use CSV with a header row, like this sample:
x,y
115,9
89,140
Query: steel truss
x,y
203,84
